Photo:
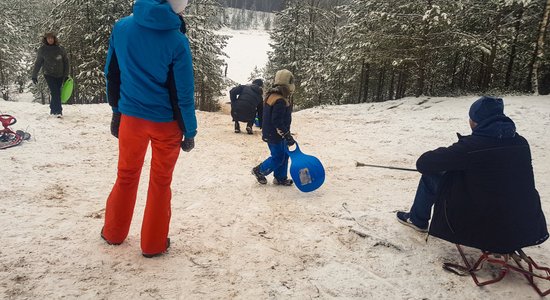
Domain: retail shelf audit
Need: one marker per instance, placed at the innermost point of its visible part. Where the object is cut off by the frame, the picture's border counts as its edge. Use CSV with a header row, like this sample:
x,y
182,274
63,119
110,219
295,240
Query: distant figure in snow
x,y
246,104
150,88
53,60
482,186
277,116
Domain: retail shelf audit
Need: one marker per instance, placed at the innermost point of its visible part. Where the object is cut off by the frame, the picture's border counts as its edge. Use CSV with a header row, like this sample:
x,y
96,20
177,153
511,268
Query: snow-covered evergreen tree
x,y
18,23
84,28
206,46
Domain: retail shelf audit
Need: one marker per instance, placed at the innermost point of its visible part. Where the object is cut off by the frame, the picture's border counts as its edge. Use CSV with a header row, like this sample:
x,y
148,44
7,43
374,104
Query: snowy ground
x,y
231,237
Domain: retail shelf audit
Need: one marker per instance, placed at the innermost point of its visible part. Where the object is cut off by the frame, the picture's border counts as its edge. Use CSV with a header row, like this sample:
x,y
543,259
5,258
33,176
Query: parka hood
x,y
156,14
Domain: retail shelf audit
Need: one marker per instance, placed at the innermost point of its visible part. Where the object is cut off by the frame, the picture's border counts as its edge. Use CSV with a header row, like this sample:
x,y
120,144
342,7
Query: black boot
x,y
259,176
249,127
285,182
237,127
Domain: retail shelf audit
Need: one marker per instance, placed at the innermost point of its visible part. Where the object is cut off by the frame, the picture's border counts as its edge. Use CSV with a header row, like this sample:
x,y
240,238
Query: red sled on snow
x,y
517,262
8,137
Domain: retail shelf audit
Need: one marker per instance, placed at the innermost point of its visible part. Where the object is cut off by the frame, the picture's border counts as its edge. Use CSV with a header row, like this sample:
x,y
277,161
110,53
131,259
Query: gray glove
x,y
188,144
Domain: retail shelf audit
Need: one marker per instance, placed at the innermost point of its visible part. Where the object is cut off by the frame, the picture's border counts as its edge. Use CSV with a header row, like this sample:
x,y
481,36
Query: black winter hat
x,y
258,82
486,107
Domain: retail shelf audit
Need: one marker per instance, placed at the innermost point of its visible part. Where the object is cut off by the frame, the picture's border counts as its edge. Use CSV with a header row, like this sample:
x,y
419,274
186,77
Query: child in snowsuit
x,y
276,130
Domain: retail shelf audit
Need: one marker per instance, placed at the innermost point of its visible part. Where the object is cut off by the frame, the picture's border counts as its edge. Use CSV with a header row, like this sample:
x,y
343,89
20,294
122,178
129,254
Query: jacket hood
x,y
283,90
156,14
500,127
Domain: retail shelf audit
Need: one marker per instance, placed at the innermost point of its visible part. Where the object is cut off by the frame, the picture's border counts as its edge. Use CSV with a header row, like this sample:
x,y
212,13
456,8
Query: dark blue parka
x,y
488,198
277,115
246,103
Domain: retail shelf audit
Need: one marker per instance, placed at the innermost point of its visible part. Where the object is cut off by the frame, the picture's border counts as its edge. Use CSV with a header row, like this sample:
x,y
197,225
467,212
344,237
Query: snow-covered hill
x,y
231,237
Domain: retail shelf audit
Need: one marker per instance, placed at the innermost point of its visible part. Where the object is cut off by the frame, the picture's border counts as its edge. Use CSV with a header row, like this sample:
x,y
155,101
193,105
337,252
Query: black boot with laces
x,y
285,181
259,176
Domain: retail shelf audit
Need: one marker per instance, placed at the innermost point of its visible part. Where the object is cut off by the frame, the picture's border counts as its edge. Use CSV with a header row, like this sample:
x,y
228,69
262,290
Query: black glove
x,y
289,139
188,144
34,80
115,124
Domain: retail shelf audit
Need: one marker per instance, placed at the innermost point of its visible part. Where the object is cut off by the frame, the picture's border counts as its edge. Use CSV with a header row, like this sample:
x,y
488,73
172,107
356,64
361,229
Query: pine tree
x,y
206,46
84,29
17,25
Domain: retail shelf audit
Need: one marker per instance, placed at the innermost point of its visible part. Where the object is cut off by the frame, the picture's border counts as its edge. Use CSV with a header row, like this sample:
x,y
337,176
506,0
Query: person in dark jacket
x,y
246,104
52,58
150,87
277,116
482,186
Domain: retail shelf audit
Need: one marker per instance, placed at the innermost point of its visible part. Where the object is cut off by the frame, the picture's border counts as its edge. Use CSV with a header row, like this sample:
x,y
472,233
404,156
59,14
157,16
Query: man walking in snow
x,y
246,104
150,83
277,116
482,186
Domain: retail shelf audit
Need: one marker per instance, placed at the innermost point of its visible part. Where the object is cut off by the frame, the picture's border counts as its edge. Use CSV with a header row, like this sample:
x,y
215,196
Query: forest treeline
x,y
255,5
341,51
374,50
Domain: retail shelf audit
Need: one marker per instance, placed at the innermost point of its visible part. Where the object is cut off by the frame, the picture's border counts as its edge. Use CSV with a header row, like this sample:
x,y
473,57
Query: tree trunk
x,y
465,71
513,49
423,55
392,79
361,81
453,70
399,85
421,78
481,75
489,69
381,79
540,48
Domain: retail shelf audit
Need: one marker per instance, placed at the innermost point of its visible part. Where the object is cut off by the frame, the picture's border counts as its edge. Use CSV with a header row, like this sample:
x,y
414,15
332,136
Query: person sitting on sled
x,y
482,186
246,103
277,117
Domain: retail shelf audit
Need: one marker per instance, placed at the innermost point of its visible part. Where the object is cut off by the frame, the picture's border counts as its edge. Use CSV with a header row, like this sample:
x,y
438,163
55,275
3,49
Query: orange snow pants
x,y
133,140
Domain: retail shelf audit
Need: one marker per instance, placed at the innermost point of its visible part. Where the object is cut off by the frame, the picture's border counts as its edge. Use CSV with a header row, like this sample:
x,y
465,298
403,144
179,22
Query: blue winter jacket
x,y
277,115
149,69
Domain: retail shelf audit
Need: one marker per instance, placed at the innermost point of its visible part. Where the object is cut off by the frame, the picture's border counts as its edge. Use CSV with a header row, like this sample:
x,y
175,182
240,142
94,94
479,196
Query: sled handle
x,y
288,151
7,120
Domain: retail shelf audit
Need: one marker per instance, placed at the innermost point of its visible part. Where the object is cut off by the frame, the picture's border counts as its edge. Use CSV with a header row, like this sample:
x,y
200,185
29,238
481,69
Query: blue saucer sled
x,y
307,171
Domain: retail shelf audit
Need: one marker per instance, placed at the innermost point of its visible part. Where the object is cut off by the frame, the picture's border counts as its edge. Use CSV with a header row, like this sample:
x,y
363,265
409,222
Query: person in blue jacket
x,y
483,187
277,117
150,87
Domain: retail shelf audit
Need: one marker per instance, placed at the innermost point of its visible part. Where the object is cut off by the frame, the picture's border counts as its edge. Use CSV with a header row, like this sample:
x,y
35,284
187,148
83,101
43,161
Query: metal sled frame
x,y
523,265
